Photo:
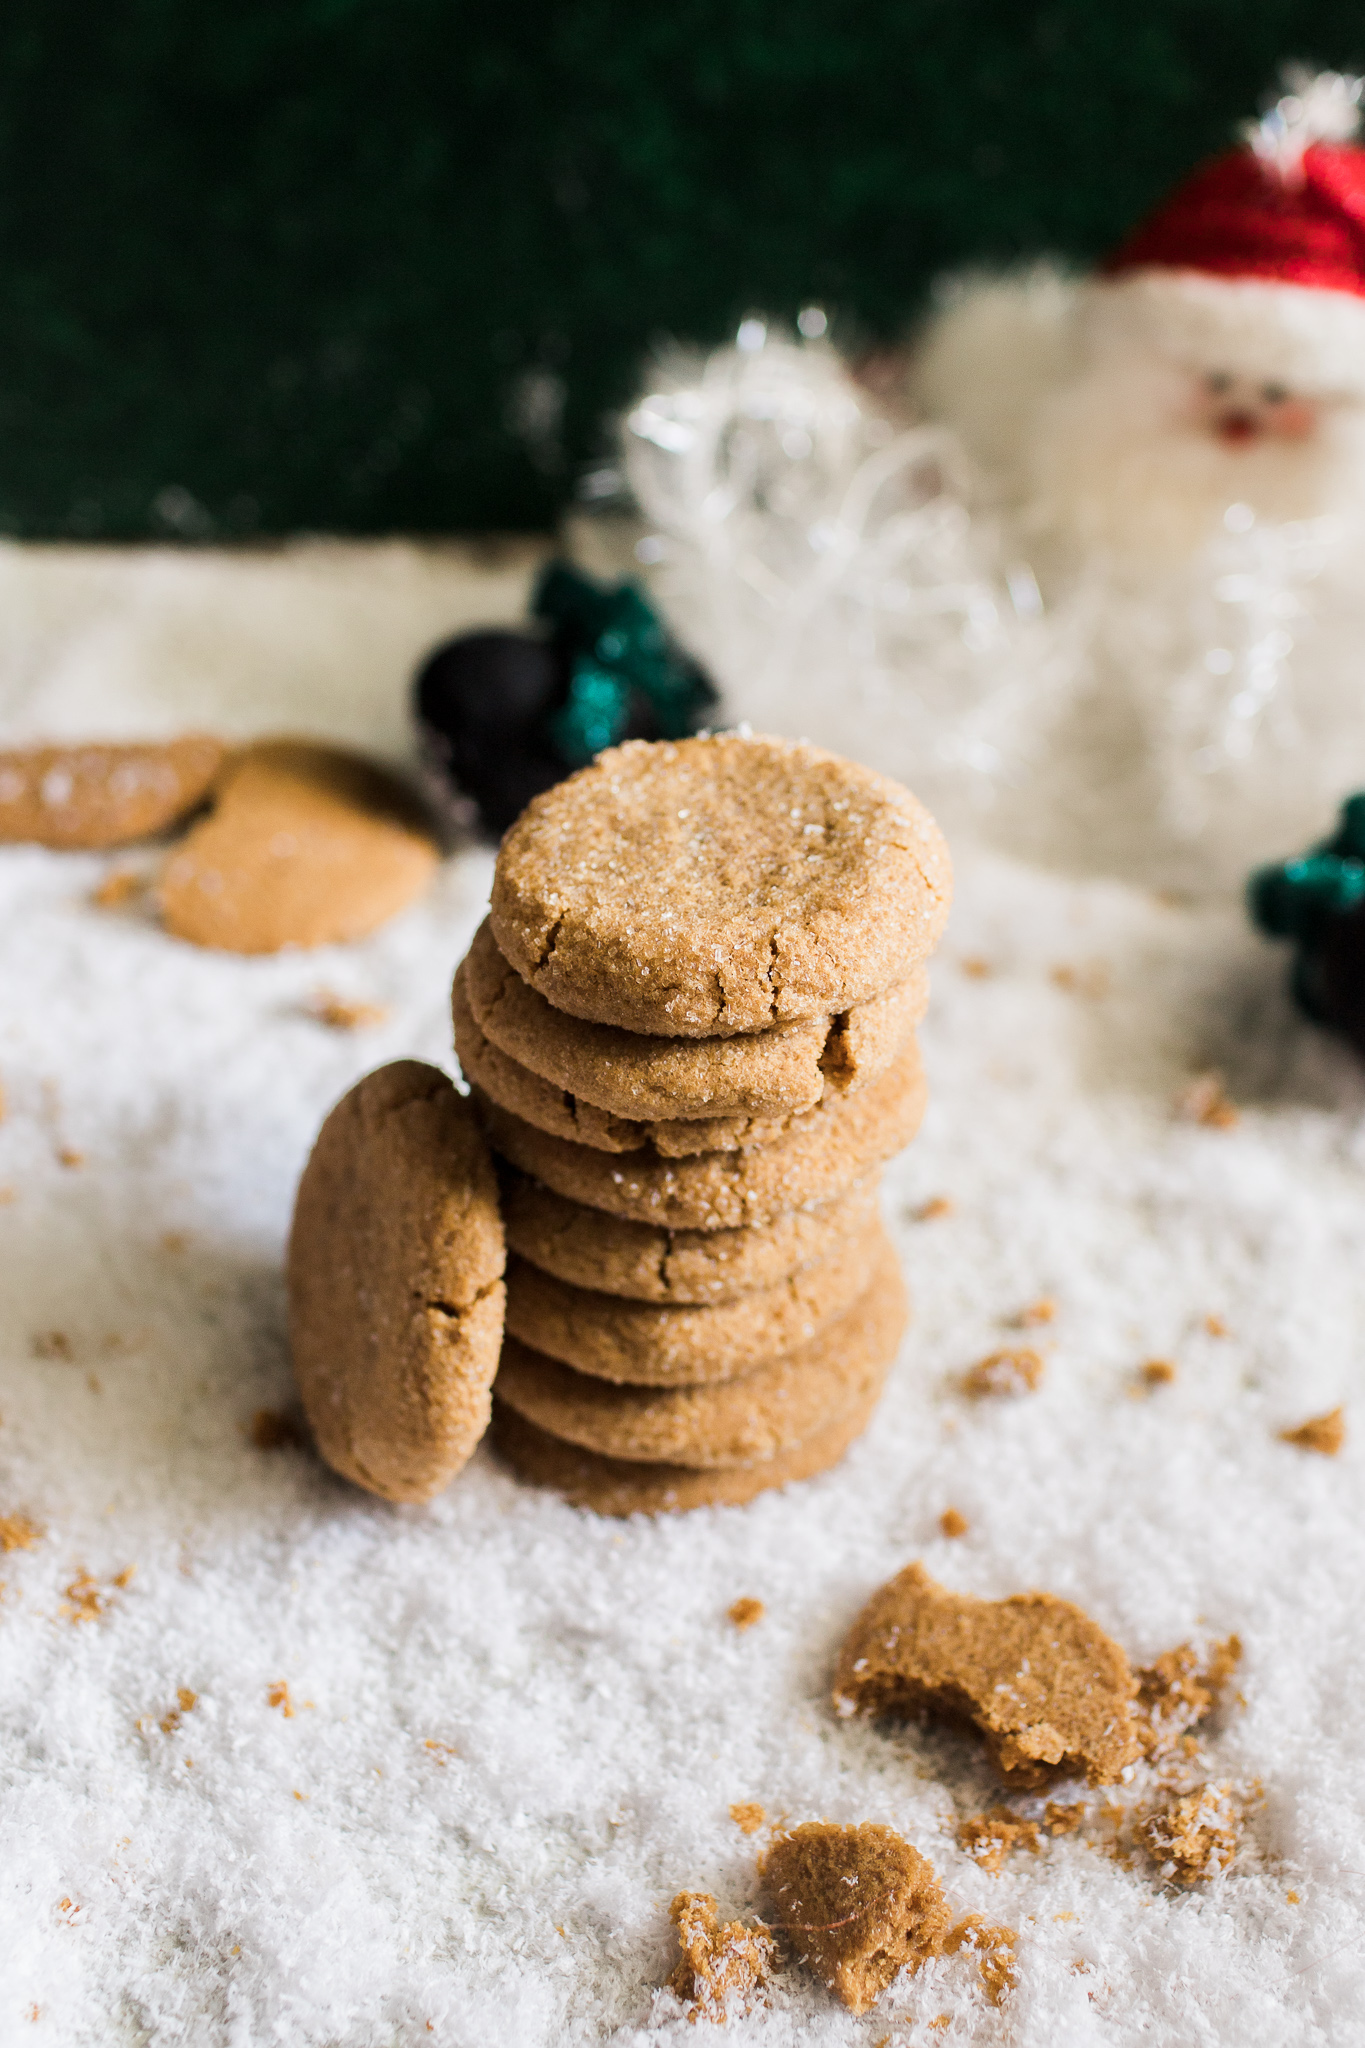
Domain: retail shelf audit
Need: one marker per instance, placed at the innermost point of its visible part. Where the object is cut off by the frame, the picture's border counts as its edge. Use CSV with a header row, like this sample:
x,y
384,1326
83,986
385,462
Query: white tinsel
x,y
873,588
827,568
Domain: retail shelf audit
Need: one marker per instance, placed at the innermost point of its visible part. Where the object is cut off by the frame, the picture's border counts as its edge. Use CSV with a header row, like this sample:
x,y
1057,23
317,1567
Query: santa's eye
x,y
1274,394
1217,383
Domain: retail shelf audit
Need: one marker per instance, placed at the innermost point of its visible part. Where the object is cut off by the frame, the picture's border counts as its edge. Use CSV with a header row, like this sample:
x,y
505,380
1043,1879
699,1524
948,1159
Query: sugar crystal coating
x,y
722,885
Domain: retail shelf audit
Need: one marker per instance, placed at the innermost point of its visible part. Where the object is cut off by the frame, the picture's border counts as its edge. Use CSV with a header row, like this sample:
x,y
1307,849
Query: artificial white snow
x,y
517,1730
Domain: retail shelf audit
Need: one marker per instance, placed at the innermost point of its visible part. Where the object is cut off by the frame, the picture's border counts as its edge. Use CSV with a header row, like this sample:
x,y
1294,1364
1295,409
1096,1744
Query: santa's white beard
x,y
1116,465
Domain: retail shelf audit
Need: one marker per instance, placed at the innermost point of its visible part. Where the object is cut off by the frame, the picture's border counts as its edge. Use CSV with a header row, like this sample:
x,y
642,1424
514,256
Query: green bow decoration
x,y
624,672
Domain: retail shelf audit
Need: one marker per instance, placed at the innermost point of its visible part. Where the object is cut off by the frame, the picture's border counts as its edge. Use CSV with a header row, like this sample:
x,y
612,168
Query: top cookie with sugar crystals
x,y
705,887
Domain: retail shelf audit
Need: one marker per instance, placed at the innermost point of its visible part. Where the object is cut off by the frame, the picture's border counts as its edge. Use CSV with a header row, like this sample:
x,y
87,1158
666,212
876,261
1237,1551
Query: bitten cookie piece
x,y
305,846
395,1283
630,1075
1049,1690
857,1905
103,795
611,1256
818,1159
703,887
652,1344
616,1486
767,1411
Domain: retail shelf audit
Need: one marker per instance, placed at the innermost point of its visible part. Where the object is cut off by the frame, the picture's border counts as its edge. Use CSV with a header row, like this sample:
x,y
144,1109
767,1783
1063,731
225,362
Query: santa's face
x,y
1240,411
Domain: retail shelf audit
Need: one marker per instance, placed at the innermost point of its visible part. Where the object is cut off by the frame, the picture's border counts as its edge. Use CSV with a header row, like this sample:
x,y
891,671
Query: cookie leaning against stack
x,y
688,1029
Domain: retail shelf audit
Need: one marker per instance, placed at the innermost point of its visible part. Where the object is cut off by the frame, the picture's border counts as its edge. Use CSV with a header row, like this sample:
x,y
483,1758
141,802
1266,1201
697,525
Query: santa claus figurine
x,y
1177,447
1102,582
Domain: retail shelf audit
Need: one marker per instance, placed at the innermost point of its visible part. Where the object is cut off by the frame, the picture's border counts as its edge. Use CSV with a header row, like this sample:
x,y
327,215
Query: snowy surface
x,y
517,1730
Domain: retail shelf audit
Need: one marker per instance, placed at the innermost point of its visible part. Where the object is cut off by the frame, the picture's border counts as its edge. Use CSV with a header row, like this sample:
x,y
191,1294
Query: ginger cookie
x,y
857,1905
306,846
103,794
630,1075
562,1115
744,1421
611,1256
702,887
648,1344
1049,1690
615,1486
395,1283
825,1152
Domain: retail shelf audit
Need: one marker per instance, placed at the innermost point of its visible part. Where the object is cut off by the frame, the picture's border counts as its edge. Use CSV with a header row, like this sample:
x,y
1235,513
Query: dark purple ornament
x,y
482,703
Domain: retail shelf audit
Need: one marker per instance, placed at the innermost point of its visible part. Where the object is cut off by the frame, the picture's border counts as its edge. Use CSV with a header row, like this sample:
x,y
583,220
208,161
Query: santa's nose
x,y
1237,426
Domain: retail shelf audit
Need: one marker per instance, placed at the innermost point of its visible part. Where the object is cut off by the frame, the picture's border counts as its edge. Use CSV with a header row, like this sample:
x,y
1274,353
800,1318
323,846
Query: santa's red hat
x,y
1257,264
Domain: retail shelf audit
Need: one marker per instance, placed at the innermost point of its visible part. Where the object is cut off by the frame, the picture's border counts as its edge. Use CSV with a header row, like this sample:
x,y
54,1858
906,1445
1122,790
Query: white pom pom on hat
x,y
1256,264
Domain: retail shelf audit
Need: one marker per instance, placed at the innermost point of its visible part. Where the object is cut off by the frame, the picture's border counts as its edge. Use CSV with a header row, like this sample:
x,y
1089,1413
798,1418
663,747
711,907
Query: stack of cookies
x,y
689,1030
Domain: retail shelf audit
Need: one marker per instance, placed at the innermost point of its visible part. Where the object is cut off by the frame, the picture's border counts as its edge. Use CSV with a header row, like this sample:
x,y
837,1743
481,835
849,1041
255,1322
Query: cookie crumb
x,y
1180,1689
977,969
744,1613
271,1429
1215,1326
1194,1837
440,1750
989,1837
1157,1372
1048,1689
952,1524
119,887
52,1344
943,2019
1322,1433
277,1695
1004,1372
720,1968
748,1816
1038,1312
936,1206
994,1949
18,1533
185,1703
83,1599
1091,979
1063,1820
68,1156
1291,1898
1205,1102
858,1904
341,1013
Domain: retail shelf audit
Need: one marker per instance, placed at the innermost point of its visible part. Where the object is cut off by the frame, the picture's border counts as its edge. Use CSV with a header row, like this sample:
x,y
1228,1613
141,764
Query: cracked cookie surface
x,y
769,1410
824,1153
611,1255
630,1075
555,1110
707,887
647,1344
395,1283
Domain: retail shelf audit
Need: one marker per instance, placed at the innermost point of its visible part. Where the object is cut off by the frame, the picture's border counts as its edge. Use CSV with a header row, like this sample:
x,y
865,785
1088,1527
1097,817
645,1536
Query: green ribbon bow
x,y
618,653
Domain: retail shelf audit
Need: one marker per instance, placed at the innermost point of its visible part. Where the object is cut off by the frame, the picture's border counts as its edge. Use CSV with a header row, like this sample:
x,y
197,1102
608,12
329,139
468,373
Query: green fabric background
x,y
279,264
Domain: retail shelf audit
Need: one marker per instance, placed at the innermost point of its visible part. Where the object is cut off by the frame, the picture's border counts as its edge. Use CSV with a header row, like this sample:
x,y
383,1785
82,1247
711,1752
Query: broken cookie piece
x,y
721,1968
989,1837
1196,1836
103,793
1176,1692
857,1905
1049,1690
